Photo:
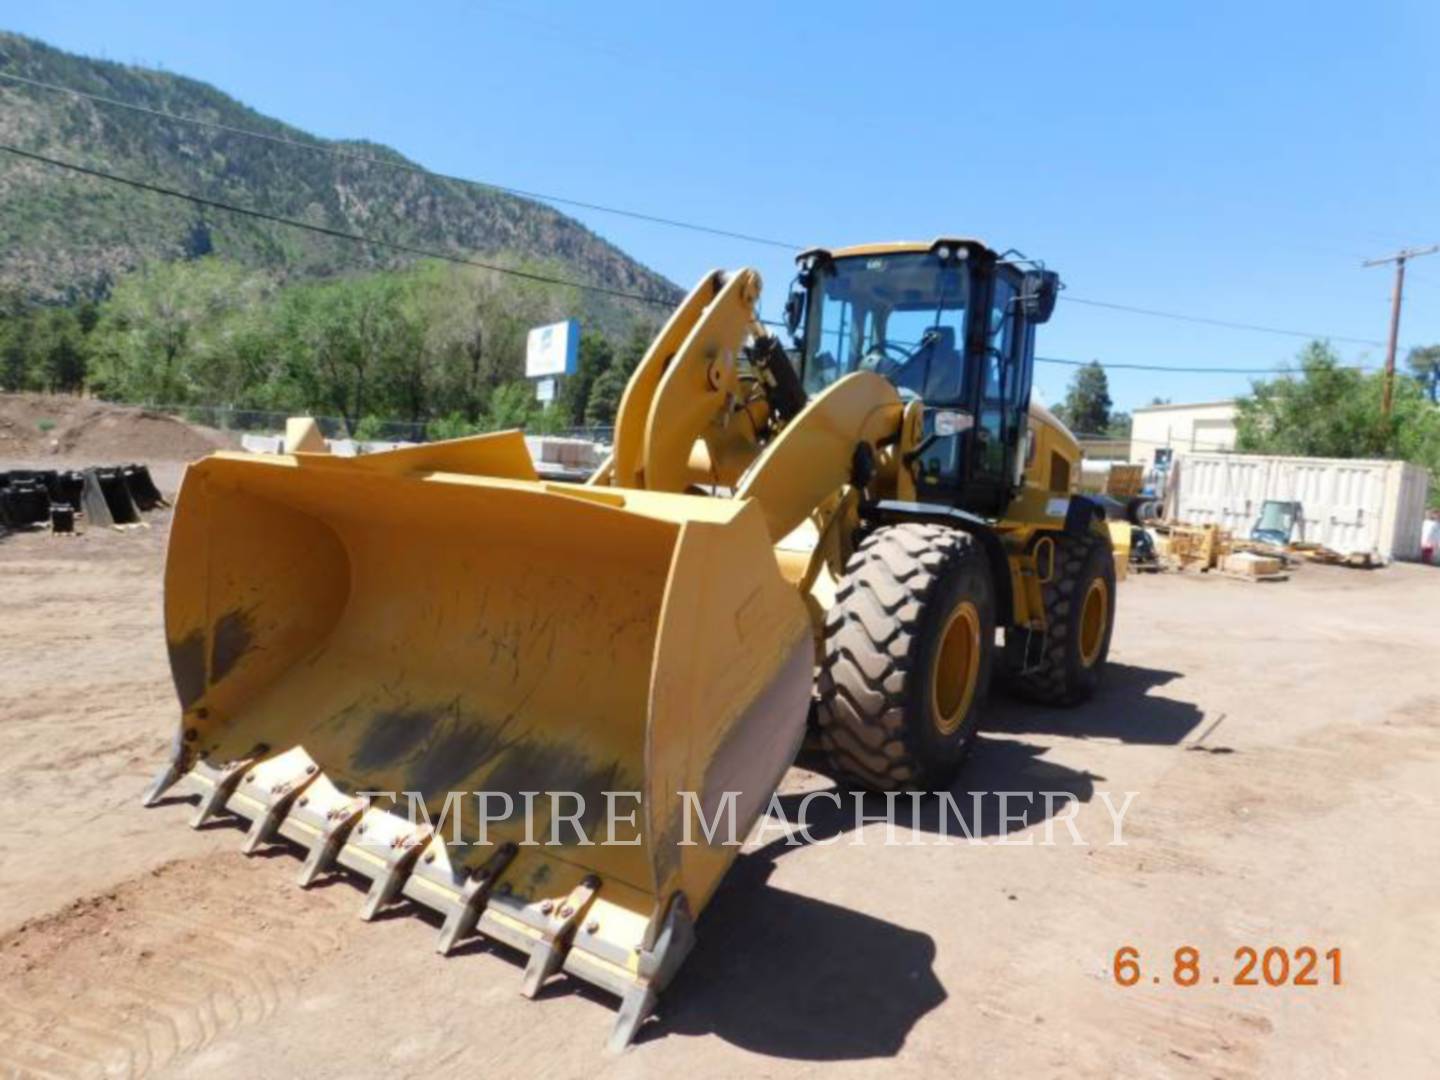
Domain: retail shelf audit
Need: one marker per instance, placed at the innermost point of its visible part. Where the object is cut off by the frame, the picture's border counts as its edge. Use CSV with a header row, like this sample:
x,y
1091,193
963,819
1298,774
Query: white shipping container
x,y
1356,507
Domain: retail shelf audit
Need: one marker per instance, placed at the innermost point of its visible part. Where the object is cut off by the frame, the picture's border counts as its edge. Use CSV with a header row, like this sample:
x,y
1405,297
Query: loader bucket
x,y
388,659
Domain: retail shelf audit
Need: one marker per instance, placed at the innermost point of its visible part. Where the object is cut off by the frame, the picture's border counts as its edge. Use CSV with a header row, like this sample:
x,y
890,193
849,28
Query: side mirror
x,y
794,310
1038,292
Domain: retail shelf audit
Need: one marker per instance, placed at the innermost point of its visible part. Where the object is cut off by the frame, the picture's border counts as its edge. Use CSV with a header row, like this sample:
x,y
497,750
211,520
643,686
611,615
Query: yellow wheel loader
x,y
548,711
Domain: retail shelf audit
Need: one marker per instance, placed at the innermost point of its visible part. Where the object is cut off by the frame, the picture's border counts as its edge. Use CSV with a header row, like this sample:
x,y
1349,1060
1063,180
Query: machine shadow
x,y
791,976
1002,779
795,977
1124,708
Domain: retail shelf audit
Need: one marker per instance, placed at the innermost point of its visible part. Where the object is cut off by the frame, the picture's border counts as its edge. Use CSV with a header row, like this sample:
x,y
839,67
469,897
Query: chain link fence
x,y
596,433
267,422
370,429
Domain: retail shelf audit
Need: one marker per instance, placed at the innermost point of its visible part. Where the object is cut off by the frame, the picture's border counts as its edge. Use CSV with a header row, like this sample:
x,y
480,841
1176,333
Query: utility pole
x,y
1399,259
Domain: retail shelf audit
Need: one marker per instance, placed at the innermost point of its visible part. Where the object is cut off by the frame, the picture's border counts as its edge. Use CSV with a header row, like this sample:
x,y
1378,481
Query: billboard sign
x,y
553,350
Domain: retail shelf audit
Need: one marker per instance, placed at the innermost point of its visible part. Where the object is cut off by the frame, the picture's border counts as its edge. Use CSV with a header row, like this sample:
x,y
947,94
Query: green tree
x,y
1424,361
42,348
605,397
432,344
551,420
370,428
511,406
454,426
64,363
87,315
1323,410
162,335
635,347
1328,410
1086,409
474,325
349,347
597,356
16,343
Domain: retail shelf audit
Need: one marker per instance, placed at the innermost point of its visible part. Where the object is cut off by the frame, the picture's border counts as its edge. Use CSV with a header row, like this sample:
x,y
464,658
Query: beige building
x,y
1207,426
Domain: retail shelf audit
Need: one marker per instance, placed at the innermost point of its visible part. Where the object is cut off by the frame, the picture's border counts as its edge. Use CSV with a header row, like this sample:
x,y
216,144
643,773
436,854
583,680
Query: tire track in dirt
x,y
123,984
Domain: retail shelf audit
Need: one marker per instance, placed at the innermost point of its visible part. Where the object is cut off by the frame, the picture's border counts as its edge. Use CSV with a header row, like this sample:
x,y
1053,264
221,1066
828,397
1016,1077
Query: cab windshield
x,y
901,316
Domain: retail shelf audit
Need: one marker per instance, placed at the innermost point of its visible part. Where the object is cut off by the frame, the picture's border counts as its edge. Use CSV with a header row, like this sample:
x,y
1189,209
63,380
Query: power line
x,y
1159,367
405,166
338,234
1135,367
655,219
1182,370
1254,327
526,274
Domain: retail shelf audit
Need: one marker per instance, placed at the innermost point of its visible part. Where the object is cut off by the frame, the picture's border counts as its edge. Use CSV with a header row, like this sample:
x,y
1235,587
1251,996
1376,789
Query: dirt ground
x,y
1282,740
40,428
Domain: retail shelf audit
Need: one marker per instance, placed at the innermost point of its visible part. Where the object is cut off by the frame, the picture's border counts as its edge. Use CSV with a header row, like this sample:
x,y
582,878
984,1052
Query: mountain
x,y
64,237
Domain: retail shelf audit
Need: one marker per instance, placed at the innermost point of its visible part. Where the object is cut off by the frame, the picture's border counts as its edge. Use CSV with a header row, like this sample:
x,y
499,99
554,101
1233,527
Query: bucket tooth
x,y
279,799
223,783
549,953
339,822
399,861
170,775
461,919
544,962
164,780
656,967
635,1008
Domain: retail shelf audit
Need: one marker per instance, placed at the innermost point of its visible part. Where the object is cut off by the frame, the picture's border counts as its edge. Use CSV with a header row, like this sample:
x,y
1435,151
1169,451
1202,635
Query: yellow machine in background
x,y
819,541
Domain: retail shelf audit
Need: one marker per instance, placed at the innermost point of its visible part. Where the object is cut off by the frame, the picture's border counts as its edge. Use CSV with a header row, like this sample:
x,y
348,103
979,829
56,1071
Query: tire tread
x,y
870,638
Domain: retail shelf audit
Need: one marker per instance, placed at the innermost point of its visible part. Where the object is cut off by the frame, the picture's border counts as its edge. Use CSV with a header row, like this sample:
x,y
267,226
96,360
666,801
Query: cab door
x,y
1002,396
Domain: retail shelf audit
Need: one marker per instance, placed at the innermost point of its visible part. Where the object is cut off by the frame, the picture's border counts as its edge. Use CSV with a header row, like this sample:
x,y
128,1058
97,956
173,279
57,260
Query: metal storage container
x,y
1353,506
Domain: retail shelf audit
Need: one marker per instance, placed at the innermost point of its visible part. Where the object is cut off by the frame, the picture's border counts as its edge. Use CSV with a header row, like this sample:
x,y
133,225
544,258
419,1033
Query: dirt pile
x,y
41,425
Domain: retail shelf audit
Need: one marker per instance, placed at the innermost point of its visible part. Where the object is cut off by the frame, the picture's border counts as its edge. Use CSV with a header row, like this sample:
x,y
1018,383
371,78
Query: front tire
x,y
1066,666
907,660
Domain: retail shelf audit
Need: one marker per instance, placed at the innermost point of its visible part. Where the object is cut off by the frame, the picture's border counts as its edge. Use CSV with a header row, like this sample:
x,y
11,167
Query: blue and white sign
x,y
553,350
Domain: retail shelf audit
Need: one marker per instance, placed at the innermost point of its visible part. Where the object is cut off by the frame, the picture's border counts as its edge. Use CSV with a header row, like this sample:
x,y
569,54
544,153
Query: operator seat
x,y
936,369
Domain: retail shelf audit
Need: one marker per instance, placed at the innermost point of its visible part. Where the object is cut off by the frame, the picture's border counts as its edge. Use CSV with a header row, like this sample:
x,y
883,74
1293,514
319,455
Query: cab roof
x,y
897,247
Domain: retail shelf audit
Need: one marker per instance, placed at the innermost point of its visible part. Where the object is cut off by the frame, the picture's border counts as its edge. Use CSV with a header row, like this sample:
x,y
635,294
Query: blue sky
x,y
1233,161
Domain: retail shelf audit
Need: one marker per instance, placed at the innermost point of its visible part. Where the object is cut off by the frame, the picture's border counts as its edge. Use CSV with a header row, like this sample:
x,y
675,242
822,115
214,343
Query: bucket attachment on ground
x,y
105,500
67,487
47,478
23,501
143,492
562,678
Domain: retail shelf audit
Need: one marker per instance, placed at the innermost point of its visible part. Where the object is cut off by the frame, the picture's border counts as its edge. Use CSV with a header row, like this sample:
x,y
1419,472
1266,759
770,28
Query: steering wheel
x,y
878,358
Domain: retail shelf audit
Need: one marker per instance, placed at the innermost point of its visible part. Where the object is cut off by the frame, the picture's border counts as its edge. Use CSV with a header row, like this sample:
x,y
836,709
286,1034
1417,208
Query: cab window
x,y
901,316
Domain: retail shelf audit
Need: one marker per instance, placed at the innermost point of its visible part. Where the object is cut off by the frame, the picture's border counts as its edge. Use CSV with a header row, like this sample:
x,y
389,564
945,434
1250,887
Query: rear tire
x,y
1079,617
907,662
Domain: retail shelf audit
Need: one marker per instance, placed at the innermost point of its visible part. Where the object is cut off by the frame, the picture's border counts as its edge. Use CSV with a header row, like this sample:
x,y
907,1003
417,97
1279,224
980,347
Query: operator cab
x,y
949,323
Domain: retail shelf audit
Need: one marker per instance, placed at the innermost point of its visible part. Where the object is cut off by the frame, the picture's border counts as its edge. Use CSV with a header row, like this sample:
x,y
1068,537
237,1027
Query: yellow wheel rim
x,y
957,668
1092,621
